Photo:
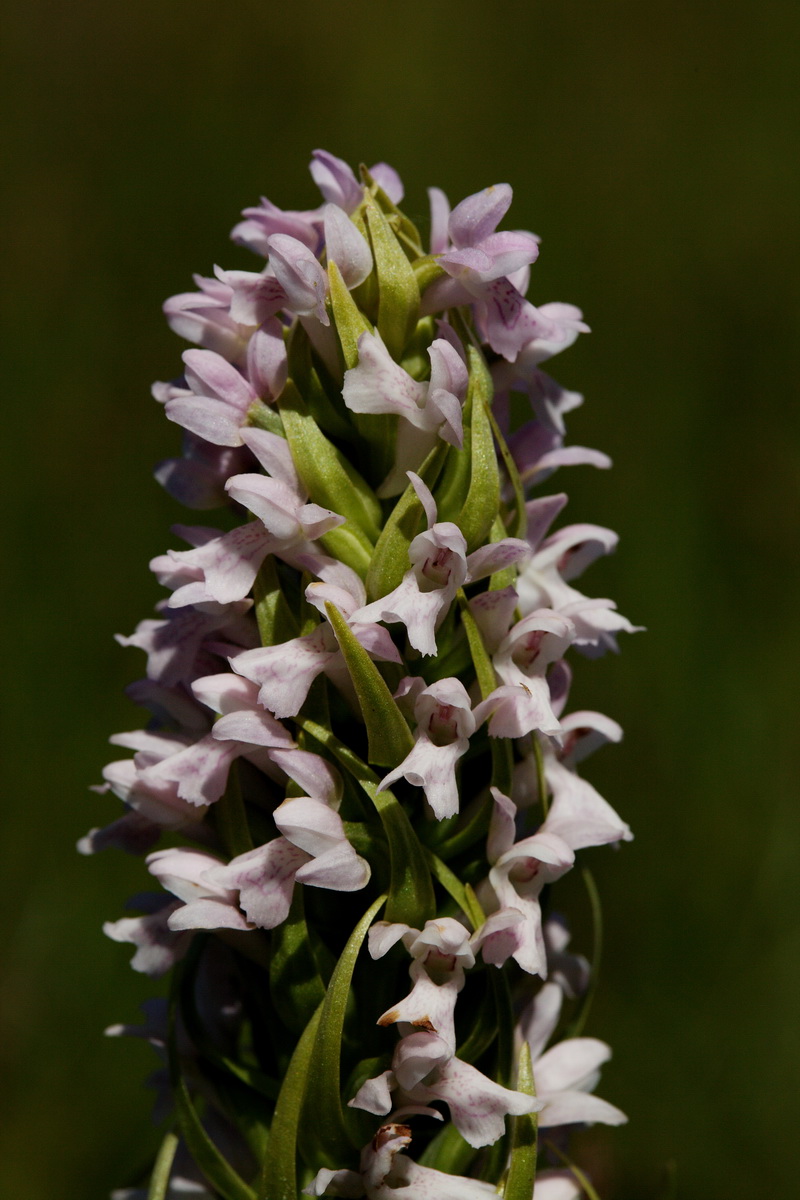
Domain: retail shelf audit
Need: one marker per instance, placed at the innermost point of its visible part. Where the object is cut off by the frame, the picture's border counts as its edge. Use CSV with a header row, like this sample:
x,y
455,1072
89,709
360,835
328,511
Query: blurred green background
x,y
653,147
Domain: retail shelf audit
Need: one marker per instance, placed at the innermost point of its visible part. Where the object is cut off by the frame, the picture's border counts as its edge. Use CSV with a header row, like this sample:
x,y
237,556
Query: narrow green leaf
x,y
524,1129
217,1170
398,292
252,1077
481,659
278,1179
451,490
473,827
580,1178
390,557
411,898
209,1159
577,1025
483,496
463,895
323,1114
294,981
390,739
502,753
350,322
327,475
246,1108
520,516
159,1180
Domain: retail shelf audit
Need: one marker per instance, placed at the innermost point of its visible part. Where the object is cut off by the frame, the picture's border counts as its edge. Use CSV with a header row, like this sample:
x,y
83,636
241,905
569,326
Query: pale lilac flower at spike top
x,y
359,780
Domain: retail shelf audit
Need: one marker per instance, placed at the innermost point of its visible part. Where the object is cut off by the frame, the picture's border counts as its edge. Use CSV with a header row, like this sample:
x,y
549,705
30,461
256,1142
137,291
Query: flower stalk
x,y
358,783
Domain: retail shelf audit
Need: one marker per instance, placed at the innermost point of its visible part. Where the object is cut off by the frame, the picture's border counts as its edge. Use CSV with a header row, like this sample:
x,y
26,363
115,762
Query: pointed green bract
x,y
214,1166
398,291
294,979
483,493
390,739
390,560
411,899
348,319
330,479
323,1113
522,1169
278,1178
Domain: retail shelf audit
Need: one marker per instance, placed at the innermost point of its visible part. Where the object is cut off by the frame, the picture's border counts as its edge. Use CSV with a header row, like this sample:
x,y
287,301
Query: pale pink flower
x,y
444,725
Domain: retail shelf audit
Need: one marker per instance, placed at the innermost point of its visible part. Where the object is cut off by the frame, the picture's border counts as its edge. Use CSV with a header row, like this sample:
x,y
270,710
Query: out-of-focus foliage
x,y
653,149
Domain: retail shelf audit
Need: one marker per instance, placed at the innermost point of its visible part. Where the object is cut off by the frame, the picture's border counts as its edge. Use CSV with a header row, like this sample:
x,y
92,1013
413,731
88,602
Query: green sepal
x,y
162,1168
524,1129
390,557
264,416
389,737
211,1162
278,1177
274,617
323,1115
482,501
398,292
294,978
348,319
411,899
327,475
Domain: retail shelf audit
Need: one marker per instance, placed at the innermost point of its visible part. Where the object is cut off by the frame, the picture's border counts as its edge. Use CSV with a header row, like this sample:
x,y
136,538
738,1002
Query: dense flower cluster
x,y
361,768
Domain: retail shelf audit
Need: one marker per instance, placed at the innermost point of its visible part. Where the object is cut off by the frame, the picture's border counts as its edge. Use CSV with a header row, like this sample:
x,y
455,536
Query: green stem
x,y
159,1180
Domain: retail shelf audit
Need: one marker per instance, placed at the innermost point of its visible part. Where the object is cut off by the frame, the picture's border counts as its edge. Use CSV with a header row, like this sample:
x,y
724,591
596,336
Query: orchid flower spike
x,y
359,782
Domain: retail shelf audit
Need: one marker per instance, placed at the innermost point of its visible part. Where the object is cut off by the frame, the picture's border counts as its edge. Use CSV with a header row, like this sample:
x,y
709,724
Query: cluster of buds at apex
x,y
358,682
